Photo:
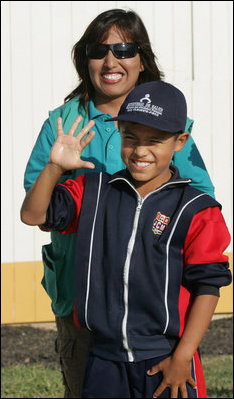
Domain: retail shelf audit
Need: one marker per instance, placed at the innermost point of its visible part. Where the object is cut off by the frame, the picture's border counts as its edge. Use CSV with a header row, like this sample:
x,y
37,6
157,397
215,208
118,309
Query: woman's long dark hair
x,y
131,27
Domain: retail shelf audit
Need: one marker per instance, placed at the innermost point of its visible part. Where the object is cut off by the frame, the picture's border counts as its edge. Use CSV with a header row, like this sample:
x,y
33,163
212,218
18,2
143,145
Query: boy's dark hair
x,y
130,26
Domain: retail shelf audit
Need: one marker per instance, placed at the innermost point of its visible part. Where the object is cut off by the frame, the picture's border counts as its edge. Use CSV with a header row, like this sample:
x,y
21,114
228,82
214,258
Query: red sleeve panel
x,y
205,266
207,238
76,189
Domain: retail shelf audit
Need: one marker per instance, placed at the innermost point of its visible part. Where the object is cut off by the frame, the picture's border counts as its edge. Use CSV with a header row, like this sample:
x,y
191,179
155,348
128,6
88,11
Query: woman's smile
x,y
111,78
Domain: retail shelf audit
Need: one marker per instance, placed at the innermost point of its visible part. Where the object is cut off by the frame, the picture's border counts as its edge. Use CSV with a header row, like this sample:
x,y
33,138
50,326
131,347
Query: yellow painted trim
x,y
24,300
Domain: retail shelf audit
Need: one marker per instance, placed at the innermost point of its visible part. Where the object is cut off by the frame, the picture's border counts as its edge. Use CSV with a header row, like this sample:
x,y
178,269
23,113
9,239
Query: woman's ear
x,y
142,68
181,140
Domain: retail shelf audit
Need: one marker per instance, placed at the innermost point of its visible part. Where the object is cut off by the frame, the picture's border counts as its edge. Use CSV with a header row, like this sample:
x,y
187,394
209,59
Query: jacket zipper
x,y
91,252
126,278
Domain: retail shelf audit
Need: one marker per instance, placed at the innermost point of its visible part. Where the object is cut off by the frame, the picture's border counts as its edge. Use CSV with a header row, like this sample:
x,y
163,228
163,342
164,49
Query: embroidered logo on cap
x,y
144,105
146,98
160,223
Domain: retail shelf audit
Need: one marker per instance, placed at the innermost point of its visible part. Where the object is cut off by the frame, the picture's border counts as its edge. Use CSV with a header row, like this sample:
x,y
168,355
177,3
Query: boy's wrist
x,y
183,354
56,168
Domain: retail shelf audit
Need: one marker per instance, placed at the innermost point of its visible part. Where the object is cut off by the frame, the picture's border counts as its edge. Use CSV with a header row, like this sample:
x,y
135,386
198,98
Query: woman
x,y
111,58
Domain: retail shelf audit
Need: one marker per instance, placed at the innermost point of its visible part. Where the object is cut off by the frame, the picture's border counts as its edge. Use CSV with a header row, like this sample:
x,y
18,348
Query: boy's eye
x,y
155,141
128,137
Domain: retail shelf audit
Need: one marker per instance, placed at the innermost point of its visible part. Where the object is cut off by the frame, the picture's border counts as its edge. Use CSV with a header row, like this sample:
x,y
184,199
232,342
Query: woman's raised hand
x,y
67,149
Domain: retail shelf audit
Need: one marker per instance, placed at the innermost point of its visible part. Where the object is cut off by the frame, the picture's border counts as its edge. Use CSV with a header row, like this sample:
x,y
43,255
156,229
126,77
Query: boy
x,y
149,250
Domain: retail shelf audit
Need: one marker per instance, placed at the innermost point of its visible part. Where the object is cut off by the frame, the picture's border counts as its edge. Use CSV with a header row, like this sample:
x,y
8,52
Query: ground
x,y
29,345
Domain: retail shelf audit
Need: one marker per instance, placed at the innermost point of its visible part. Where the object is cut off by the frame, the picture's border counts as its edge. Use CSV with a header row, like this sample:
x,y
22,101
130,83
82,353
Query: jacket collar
x,y
175,179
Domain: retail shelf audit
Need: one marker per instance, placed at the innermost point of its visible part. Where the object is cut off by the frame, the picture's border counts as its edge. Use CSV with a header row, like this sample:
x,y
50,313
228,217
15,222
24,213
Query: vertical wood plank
x,y
42,100
7,225
83,13
127,5
41,65
61,46
106,5
202,40
222,40
163,40
222,148
182,41
202,87
222,107
203,123
145,11
21,115
182,47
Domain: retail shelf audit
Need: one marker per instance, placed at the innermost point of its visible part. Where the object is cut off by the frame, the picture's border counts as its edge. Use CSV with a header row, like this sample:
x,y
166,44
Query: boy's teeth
x,y
114,76
142,164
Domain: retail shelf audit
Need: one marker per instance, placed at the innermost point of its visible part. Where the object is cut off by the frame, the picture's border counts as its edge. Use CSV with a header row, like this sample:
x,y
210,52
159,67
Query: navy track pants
x,y
110,379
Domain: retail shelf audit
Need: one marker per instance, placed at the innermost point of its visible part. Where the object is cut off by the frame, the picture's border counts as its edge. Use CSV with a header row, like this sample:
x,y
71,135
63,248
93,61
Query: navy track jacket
x,y
129,263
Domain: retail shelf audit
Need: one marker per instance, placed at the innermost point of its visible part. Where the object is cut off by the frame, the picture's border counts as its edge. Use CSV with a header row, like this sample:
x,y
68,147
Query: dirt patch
x,y
218,339
28,345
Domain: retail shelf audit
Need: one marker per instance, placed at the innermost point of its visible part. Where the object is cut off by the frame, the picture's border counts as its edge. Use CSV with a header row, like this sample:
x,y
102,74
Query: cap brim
x,y
166,126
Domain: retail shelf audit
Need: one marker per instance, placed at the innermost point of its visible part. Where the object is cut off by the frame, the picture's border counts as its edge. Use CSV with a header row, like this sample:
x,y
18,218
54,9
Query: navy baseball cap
x,y
157,104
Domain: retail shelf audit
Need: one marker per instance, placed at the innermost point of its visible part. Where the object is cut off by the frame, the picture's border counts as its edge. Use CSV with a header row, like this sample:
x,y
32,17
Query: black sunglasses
x,y
98,51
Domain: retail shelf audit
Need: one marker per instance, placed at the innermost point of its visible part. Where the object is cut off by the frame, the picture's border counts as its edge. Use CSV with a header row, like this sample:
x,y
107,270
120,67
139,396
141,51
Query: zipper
x,y
126,277
91,252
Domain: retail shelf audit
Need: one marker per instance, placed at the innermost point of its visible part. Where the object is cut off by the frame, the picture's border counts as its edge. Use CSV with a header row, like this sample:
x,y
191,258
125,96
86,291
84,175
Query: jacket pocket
x,y
53,263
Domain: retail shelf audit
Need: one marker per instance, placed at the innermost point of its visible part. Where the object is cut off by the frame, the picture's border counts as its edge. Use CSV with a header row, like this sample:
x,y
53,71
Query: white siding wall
x,y
193,43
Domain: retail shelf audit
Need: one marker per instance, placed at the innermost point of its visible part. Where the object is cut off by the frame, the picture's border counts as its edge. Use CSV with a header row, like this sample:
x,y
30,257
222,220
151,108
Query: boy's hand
x,y
176,372
67,149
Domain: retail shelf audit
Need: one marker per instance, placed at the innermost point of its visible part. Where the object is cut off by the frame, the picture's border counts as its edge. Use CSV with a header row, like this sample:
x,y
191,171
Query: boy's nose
x,y
140,150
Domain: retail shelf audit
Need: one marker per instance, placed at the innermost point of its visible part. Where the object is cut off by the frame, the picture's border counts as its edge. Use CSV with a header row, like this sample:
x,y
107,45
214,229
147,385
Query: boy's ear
x,y
181,141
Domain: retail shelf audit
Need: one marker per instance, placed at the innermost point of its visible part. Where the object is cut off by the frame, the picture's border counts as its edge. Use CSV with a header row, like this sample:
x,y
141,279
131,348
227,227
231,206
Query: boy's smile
x,y
147,153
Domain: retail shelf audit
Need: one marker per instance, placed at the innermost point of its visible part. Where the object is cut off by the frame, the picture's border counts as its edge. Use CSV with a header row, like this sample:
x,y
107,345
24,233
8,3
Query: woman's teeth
x,y
114,76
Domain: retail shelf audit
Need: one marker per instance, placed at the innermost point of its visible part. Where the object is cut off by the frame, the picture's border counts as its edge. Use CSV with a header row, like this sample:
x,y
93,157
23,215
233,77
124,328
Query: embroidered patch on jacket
x,y
160,223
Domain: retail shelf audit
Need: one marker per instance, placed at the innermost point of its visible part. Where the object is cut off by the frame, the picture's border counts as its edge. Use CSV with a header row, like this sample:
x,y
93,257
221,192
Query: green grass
x,y
31,382
39,382
219,376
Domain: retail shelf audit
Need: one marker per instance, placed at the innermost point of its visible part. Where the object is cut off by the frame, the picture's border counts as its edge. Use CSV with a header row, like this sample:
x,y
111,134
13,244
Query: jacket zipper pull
x,y
140,202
